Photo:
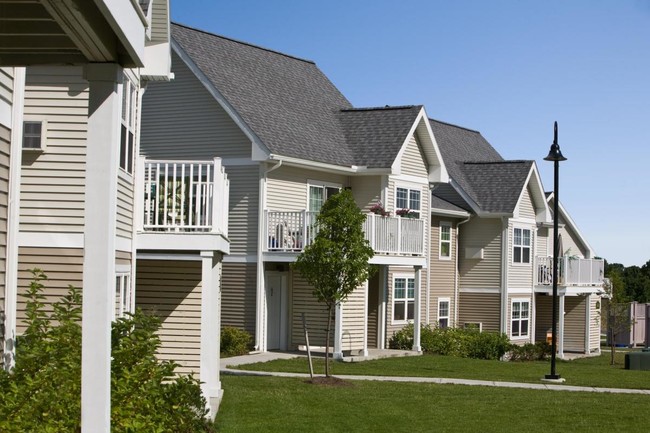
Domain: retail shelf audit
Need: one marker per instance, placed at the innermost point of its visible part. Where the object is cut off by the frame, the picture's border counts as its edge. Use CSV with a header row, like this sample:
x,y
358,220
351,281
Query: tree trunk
x,y
327,341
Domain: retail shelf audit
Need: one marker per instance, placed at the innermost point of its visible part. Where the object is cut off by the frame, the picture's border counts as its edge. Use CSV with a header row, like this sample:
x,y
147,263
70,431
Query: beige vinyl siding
x,y
303,301
480,307
543,316
544,240
520,275
287,187
181,120
366,191
123,258
63,267
520,340
172,291
595,305
413,161
6,89
481,233
374,310
526,208
570,244
125,209
354,318
159,21
5,146
244,202
238,295
52,189
575,320
442,272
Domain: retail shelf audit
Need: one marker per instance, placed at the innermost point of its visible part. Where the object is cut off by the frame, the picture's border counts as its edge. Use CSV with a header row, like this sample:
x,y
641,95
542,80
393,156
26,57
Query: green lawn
x,y
594,371
271,404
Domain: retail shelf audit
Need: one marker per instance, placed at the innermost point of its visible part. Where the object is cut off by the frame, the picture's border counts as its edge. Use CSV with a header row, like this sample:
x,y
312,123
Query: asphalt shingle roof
x,y
440,203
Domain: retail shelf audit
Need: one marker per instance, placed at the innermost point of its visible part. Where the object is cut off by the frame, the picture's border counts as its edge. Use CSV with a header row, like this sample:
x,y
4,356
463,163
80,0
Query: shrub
x,y
402,339
43,391
530,352
235,342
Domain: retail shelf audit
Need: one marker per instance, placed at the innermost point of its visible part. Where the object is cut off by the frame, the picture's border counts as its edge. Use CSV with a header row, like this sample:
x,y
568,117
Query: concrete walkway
x,y
228,366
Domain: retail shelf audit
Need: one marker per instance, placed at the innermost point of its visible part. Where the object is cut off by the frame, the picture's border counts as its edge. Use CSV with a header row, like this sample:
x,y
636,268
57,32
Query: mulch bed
x,y
329,381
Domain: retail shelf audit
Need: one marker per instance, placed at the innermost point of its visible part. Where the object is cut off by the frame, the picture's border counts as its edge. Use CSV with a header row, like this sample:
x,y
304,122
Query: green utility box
x,y
637,360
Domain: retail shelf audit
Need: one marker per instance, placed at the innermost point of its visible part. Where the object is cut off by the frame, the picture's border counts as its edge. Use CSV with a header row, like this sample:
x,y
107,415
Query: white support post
x,y
365,318
210,329
383,299
102,154
588,324
142,196
560,331
217,196
417,313
338,332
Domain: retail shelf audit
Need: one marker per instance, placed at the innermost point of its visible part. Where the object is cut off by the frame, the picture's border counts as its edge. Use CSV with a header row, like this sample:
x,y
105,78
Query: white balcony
x,y
182,197
292,231
571,271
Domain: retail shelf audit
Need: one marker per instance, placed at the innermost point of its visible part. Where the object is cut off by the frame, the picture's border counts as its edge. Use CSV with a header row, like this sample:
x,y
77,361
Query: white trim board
x,y
51,240
479,290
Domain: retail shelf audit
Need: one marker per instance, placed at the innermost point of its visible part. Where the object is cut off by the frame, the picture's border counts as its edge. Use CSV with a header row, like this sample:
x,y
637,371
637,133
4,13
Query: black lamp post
x,y
555,155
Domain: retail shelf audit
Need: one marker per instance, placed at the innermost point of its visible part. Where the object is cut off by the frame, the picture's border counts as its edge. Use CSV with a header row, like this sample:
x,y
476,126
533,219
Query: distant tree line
x,y
632,283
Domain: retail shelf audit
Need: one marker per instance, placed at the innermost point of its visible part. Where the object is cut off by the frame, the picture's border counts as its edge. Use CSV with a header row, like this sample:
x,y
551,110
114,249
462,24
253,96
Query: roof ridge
x,y
243,43
455,126
384,108
505,161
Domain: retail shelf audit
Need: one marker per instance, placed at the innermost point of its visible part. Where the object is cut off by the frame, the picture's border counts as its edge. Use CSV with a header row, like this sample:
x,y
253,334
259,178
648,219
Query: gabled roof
x,y
550,197
496,186
287,102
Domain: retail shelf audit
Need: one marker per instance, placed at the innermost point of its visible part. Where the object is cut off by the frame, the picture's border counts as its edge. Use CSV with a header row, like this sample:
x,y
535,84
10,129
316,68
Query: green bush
x,y
463,343
43,391
530,352
235,342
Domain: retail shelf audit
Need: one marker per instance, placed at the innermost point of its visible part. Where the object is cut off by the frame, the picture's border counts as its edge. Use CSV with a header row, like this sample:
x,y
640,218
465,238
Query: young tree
x,y
337,261
616,311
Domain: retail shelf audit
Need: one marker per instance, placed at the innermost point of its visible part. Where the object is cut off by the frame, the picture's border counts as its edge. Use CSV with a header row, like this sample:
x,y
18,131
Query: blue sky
x,y
505,68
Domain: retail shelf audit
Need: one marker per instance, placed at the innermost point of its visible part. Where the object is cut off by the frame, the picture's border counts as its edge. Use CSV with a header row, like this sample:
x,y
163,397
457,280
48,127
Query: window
x,y
403,299
123,302
127,136
520,318
33,138
445,241
318,195
407,199
521,246
443,312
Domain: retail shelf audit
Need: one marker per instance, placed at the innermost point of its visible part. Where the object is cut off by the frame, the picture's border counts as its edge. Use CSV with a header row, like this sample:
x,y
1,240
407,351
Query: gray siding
x,y
52,189
442,271
480,307
244,204
486,272
172,291
238,294
181,120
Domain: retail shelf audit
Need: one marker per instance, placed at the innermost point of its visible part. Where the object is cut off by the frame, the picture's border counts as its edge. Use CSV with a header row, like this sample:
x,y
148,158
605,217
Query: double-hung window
x,y
128,133
521,245
123,295
443,312
319,193
408,199
445,241
520,318
403,299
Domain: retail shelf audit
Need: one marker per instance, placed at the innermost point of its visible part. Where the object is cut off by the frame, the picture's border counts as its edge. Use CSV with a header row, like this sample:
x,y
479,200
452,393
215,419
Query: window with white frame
x,y
319,193
520,318
128,132
34,134
521,241
407,199
443,312
445,241
123,295
403,299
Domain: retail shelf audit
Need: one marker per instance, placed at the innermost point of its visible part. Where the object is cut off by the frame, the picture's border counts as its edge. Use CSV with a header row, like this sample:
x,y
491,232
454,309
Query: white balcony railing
x,y
184,196
571,271
292,231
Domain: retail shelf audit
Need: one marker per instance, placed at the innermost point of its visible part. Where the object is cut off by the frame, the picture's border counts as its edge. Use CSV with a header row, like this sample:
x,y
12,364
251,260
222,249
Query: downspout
x,y
504,275
260,317
456,271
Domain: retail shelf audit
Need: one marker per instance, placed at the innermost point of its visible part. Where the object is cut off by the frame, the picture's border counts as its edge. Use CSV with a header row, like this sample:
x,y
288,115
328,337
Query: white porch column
x,y
383,295
210,329
365,319
417,310
338,332
560,331
588,324
102,153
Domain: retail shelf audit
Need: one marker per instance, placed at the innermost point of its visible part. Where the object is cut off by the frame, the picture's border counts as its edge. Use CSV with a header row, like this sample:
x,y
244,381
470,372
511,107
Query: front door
x,y
276,302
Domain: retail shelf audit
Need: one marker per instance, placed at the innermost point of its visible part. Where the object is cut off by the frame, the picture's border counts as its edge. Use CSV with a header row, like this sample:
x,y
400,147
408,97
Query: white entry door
x,y
277,309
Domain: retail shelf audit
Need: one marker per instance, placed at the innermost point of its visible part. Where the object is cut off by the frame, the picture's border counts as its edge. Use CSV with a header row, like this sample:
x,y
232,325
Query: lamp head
x,y
555,154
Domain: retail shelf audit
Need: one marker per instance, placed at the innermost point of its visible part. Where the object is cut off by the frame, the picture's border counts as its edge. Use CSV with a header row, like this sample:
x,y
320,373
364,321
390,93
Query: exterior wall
x,y
570,244
520,275
480,307
238,294
531,313
52,189
543,316
172,291
5,146
301,301
63,267
125,208
442,271
526,208
595,308
413,160
544,239
366,191
287,187
123,258
483,234
180,119
354,319
575,319
397,271
244,203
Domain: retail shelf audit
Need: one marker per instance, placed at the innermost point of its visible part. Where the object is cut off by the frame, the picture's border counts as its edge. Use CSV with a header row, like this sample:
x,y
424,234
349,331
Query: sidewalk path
x,y
228,366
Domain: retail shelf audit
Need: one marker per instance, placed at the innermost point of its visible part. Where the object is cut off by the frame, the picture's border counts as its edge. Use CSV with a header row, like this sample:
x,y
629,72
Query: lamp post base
x,y
553,378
